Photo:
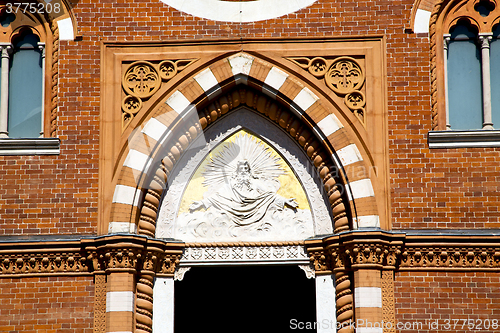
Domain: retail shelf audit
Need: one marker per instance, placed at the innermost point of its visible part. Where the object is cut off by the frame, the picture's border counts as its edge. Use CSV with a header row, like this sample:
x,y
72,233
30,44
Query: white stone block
x,y
137,160
120,301
66,31
368,297
241,63
275,78
361,189
305,99
206,80
122,227
163,306
421,23
325,304
368,221
154,129
329,125
127,195
349,154
178,102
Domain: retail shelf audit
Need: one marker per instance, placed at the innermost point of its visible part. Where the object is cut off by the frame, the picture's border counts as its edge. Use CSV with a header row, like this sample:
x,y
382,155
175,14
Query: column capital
x,y
41,47
485,40
6,49
446,41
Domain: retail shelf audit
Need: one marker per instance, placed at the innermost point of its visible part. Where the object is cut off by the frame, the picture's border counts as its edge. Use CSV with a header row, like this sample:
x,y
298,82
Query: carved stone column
x,y
130,264
41,47
446,43
6,50
359,260
485,40
326,262
369,255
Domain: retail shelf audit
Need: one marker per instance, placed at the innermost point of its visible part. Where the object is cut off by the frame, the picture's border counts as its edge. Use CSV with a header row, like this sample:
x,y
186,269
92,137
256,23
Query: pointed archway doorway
x,y
244,197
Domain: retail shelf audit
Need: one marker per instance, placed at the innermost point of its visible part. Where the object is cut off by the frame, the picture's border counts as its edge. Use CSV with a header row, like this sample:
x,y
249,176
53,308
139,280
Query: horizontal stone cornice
x,y
88,256
405,251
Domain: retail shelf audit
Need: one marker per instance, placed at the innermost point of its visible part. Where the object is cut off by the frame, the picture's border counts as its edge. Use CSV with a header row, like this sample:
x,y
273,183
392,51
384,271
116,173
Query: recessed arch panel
x,y
207,95
225,144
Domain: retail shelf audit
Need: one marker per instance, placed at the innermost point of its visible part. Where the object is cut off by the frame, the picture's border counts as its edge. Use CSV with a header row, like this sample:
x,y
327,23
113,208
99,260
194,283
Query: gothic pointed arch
x,y
207,95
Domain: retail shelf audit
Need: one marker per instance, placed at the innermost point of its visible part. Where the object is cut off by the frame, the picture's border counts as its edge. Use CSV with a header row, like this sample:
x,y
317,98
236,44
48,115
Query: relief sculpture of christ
x,y
243,197
246,198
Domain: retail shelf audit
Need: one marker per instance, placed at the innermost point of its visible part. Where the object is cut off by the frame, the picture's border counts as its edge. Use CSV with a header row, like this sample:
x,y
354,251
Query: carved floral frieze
x,y
42,263
343,75
142,79
89,256
402,252
451,257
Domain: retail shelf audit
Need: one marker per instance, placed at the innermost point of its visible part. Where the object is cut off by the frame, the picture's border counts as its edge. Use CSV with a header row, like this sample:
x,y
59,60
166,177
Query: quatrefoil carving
x,y
142,79
343,75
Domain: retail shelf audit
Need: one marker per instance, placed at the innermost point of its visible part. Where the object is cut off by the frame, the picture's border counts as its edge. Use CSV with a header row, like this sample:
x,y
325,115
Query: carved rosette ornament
x,y
142,79
343,75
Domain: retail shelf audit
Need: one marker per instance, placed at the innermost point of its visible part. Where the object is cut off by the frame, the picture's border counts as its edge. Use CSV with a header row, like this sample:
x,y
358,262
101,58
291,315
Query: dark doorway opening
x,y
244,299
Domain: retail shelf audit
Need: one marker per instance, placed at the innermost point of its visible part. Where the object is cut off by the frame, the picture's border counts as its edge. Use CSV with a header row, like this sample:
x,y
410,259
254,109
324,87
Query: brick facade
x,y
47,304
448,298
416,188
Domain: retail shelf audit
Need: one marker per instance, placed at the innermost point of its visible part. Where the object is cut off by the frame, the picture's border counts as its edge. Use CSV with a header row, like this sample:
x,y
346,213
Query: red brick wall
x,y
457,299
48,304
430,189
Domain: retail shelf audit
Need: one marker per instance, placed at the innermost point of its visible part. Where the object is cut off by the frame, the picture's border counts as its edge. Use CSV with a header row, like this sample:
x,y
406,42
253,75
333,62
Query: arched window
x,y
464,78
25,87
22,45
466,72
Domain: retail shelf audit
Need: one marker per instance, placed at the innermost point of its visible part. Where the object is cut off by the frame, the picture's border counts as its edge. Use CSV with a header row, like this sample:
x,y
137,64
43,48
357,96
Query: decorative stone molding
x,y
42,262
308,270
100,303
55,80
388,304
238,253
403,252
142,79
320,260
88,256
129,253
180,272
458,256
343,75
